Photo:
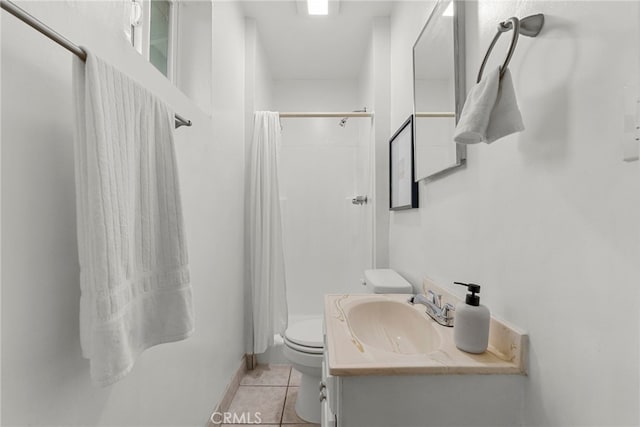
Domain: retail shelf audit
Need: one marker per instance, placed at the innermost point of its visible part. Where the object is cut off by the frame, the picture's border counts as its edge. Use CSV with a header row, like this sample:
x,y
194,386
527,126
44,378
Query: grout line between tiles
x,y
284,404
286,394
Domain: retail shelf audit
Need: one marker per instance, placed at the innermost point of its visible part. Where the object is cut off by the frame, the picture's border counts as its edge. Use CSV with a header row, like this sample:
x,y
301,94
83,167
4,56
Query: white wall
x,y
194,53
381,66
546,220
373,92
259,82
366,152
45,380
258,97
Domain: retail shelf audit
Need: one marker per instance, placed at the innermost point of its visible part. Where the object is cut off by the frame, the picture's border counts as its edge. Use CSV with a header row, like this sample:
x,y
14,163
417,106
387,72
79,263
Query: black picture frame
x,y
403,188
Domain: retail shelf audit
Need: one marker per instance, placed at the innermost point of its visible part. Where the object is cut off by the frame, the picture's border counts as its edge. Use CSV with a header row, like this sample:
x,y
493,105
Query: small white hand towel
x,y
490,112
135,290
505,117
472,126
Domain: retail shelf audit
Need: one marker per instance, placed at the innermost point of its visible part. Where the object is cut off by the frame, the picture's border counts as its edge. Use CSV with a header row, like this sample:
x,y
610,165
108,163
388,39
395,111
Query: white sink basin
x,y
394,327
381,334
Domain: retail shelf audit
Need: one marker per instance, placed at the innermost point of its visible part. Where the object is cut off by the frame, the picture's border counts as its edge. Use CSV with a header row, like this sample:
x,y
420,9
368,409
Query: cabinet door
x,y
329,391
327,419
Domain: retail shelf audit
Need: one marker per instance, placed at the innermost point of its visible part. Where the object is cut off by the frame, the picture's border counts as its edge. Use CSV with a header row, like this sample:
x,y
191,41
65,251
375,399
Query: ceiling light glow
x,y
318,7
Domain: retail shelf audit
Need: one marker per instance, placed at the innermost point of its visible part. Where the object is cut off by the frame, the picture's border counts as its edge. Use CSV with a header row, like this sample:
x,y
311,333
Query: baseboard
x,y
231,389
252,361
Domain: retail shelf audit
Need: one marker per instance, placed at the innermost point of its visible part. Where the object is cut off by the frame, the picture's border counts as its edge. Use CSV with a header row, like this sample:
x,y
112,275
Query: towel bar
x,y
529,26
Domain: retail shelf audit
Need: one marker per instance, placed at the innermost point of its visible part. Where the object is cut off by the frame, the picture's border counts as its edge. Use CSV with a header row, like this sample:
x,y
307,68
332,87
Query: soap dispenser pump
x,y
471,328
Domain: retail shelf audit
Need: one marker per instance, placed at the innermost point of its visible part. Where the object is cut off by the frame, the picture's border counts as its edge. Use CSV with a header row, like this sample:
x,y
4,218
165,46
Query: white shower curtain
x,y
266,254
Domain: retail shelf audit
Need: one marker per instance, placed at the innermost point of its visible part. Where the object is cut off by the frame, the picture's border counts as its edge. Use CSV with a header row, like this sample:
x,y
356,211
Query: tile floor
x,y
270,390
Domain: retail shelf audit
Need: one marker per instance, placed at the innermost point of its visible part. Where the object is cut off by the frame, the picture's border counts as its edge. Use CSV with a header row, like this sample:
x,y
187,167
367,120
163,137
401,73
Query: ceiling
x,y
299,46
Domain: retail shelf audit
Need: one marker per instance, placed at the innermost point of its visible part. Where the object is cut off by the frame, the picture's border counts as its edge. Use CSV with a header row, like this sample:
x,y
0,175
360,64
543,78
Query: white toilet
x,y
304,346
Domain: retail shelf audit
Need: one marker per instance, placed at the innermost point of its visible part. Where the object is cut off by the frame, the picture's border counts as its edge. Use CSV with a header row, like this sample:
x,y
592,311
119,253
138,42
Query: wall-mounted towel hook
x,y
529,26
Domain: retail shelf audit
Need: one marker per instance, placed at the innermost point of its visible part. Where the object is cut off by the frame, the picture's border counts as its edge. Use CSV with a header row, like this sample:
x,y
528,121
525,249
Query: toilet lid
x,y
307,333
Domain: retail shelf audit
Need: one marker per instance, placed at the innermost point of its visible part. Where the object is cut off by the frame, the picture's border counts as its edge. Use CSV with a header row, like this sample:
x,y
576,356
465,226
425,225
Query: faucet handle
x,y
434,298
447,309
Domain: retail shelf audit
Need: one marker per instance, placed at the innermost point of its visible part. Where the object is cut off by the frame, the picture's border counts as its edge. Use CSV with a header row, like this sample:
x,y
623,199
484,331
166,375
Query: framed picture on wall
x,y
403,190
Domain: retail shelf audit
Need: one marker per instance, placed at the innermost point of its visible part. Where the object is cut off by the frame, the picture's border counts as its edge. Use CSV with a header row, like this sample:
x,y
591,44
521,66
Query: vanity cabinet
x,y
423,400
419,400
387,363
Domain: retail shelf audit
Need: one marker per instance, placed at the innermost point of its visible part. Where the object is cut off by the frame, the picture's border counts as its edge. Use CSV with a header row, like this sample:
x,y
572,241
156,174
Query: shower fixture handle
x,y
359,200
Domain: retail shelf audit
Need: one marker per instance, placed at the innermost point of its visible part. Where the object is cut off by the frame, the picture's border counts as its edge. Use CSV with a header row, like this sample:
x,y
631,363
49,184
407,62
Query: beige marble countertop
x,y
348,356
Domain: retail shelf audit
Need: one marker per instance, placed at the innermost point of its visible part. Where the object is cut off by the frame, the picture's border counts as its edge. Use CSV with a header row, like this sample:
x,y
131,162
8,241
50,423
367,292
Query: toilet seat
x,y
305,336
302,348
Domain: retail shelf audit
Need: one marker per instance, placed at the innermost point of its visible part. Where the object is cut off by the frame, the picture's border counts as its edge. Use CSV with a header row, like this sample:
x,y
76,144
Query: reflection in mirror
x,y
439,91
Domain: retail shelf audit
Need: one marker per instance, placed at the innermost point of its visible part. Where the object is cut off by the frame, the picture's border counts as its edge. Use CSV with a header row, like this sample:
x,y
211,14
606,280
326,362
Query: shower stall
x,y
325,190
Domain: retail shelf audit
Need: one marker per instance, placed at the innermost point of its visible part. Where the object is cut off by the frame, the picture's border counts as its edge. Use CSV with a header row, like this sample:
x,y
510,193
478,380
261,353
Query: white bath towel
x,y
490,111
135,290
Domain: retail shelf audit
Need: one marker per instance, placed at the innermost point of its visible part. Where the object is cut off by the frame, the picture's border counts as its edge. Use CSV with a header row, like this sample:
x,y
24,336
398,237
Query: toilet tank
x,y
386,281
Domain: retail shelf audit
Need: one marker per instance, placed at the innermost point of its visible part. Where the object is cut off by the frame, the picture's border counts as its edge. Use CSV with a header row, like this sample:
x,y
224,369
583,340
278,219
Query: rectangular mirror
x,y
439,90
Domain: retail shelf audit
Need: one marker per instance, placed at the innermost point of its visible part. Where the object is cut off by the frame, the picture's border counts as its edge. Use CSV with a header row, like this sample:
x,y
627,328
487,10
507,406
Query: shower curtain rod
x,y
325,114
39,26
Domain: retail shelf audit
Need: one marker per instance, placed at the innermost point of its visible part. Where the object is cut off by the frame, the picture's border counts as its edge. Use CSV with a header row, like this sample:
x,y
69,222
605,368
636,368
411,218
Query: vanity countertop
x,y
349,356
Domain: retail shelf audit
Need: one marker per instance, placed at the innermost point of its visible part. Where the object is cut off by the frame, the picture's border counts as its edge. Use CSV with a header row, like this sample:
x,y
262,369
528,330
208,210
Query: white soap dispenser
x,y
471,327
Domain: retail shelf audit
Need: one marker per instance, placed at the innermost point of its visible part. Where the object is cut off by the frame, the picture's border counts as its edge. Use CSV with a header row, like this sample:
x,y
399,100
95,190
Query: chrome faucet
x,y
433,303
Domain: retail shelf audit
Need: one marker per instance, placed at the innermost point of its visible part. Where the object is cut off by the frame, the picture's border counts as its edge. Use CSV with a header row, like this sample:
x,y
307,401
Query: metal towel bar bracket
x,y
529,26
